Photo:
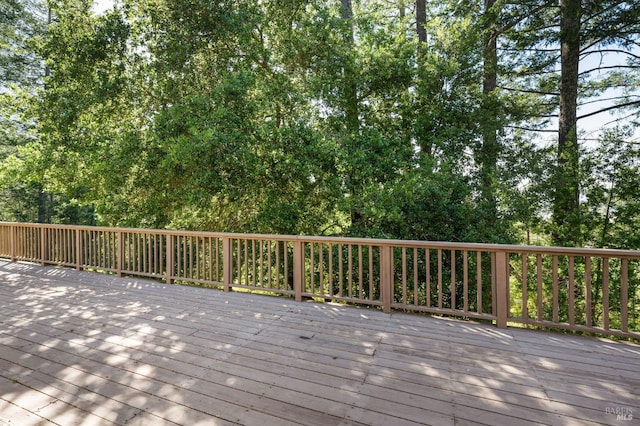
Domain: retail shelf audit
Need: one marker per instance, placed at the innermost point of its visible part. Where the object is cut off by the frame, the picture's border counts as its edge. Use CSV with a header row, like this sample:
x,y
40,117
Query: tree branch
x,y
595,15
529,129
618,35
513,49
617,120
609,68
518,18
605,100
627,104
538,92
601,51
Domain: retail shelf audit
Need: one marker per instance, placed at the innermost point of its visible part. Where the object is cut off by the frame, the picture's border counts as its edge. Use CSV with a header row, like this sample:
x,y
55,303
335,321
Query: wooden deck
x,y
78,348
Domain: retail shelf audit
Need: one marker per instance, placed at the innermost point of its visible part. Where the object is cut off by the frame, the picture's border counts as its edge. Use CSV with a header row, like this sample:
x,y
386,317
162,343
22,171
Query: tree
x,y
488,155
19,22
566,203
20,73
611,187
552,52
328,117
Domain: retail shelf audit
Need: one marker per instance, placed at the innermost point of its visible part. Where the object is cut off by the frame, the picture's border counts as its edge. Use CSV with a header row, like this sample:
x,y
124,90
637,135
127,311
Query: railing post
x,y
502,289
13,238
624,295
120,255
78,249
170,258
227,262
386,277
494,300
43,245
298,269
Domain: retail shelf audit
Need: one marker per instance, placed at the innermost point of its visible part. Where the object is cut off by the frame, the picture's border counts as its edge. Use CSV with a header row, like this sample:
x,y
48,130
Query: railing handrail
x,y
507,248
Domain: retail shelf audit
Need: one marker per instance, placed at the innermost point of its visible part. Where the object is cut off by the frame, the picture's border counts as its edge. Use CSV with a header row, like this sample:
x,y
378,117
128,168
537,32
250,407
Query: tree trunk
x,y
489,150
421,32
566,204
421,19
349,78
43,198
350,104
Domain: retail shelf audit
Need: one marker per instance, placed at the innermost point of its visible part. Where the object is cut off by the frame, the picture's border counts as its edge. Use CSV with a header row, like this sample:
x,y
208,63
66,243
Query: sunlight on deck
x,y
89,349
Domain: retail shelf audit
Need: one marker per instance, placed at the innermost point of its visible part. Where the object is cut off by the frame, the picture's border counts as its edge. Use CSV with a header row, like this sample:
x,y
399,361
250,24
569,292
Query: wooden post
x,y
386,277
13,237
170,258
502,289
298,269
605,293
494,300
43,245
624,295
120,255
227,263
78,249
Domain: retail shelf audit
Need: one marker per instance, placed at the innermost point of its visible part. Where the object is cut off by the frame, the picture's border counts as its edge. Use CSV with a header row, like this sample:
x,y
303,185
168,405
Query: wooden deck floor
x,y
78,348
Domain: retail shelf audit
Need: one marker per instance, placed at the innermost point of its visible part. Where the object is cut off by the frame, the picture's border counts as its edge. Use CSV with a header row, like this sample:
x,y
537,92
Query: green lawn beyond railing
x,y
589,290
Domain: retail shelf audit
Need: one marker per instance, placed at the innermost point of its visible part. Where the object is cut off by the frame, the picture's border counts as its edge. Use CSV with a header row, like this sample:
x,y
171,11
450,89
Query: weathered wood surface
x,y
78,348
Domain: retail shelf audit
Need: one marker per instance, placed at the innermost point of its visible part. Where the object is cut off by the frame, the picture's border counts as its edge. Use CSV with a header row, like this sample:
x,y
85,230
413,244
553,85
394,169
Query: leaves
x,y
325,117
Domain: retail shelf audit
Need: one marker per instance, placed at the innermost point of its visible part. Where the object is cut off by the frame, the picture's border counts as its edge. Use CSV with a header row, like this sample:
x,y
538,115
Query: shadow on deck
x,y
82,348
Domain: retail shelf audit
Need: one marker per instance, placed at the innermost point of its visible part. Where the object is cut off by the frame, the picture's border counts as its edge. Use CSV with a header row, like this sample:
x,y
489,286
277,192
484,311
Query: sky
x,y
100,6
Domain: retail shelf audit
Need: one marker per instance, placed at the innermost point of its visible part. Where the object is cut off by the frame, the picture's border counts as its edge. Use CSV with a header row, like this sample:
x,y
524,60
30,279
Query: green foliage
x,y
294,117
611,185
424,204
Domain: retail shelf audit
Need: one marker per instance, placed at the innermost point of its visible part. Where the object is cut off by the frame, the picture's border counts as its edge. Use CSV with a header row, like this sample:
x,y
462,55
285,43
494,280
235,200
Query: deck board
x,y
85,348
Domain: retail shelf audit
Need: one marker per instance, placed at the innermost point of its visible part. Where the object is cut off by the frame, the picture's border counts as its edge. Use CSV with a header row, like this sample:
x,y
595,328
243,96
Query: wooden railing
x,y
588,290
